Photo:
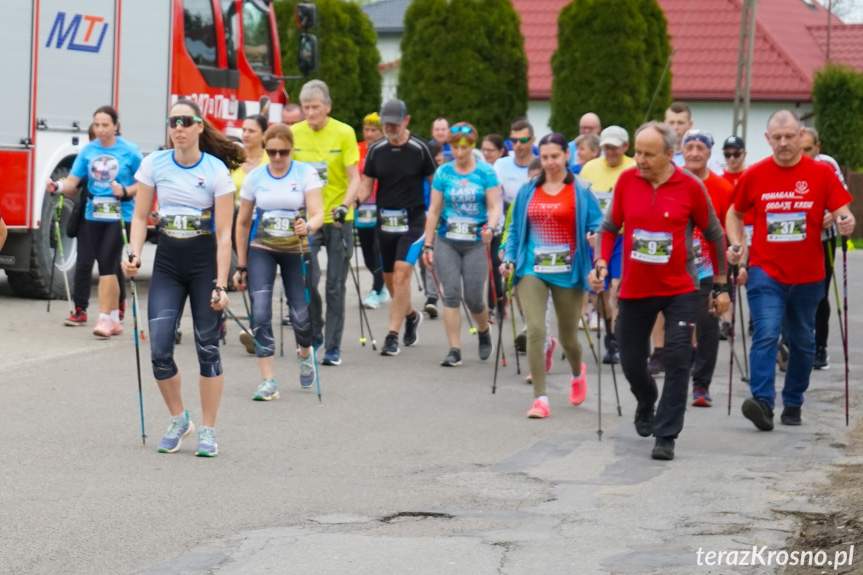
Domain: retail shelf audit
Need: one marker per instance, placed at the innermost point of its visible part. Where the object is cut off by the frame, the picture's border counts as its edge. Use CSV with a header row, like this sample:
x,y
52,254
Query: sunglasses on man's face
x,y
274,153
460,130
185,121
520,140
734,155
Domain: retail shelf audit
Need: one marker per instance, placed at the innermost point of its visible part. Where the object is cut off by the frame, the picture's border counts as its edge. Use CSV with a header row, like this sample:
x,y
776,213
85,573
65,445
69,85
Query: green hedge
x,y
837,94
610,59
348,57
463,59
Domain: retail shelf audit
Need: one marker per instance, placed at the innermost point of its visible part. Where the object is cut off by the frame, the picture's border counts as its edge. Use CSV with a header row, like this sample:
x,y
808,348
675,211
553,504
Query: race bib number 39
x,y
552,259
786,227
651,247
461,229
277,223
394,221
106,209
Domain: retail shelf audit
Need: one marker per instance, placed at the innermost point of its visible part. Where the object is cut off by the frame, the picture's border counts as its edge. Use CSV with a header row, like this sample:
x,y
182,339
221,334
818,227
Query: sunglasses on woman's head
x,y
734,155
185,121
462,129
274,153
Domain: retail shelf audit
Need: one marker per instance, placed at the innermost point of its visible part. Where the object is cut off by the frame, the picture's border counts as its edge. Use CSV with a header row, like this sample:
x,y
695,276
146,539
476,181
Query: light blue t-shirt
x,y
464,209
101,166
511,177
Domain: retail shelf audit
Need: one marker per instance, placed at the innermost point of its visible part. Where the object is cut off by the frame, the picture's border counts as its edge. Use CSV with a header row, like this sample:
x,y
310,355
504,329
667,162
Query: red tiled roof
x,y
846,43
705,38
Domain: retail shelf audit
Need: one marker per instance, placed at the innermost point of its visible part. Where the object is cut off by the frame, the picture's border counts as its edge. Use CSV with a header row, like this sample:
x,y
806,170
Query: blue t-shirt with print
x,y
464,200
101,166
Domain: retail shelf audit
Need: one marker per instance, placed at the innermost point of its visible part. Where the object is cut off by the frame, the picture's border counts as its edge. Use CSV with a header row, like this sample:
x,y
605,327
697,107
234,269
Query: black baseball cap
x,y
734,142
393,112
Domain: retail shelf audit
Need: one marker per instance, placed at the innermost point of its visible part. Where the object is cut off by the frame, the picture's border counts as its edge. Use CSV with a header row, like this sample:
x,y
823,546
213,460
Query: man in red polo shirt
x,y
659,205
789,193
697,145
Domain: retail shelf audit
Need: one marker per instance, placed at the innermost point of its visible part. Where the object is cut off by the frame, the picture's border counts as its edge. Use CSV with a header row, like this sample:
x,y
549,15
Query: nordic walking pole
x,y
514,334
735,295
62,255
419,279
601,314
363,314
845,298
744,378
359,295
494,298
54,264
467,315
306,288
590,341
281,319
836,287
599,364
134,291
242,327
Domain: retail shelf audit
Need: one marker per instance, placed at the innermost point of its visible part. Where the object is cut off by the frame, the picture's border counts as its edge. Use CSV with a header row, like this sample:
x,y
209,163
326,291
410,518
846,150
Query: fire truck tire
x,y
36,283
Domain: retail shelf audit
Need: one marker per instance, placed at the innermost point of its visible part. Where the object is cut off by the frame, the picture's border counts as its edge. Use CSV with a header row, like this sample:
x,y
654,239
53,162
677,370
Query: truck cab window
x,y
232,26
257,36
201,39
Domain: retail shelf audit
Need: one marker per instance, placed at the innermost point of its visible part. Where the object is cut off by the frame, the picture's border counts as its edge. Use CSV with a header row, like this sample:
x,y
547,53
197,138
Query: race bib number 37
x,y
786,227
651,247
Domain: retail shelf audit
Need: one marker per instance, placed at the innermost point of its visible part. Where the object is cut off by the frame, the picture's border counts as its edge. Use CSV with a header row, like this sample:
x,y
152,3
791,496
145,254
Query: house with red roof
x,y
791,43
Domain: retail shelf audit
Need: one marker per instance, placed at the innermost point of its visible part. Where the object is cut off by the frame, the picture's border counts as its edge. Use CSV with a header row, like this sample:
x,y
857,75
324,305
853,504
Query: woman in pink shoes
x,y
548,252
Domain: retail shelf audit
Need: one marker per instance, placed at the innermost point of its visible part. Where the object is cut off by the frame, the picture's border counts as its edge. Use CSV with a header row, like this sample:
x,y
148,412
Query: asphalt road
x,y
405,467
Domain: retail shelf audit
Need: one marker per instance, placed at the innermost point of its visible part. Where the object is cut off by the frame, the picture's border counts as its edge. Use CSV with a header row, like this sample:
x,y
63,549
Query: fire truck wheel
x,y
36,283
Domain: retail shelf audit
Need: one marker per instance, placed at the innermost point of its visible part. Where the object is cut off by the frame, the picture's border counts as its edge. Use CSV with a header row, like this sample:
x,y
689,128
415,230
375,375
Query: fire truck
x,y
65,58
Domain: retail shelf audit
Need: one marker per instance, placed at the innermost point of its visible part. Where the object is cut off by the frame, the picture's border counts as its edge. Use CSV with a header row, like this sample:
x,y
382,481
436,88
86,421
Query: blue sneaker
x,y
384,295
333,357
179,428
372,300
307,371
267,390
207,446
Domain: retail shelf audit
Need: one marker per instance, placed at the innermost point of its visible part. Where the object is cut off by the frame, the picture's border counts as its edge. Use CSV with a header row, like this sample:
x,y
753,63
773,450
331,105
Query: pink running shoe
x,y
116,328
103,328
539,410
549,354
578,393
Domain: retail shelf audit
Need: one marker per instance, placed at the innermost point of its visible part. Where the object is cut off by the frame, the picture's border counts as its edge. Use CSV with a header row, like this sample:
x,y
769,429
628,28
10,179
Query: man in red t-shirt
x,y
697,145
734,150
658,206
789,193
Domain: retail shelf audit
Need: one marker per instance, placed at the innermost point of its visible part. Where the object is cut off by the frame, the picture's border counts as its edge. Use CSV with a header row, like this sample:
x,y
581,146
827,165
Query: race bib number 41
x,y
786,227
651,247
184,222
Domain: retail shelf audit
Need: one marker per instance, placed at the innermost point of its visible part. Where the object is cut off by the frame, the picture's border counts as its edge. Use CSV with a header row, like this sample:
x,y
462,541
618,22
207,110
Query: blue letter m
x,y
62,35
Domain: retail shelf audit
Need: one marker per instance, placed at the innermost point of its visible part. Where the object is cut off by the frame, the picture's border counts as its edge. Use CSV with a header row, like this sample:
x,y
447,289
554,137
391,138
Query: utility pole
x,y
742,88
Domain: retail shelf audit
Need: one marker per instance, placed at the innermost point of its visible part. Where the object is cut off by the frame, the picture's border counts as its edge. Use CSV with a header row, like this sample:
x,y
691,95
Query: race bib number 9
x,y
184,222
552,259
651,247
366,216
461,229
786,227
394,221
106,209
277,223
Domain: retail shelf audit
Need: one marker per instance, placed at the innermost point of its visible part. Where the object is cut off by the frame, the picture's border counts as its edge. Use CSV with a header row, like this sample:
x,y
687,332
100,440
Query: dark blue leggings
x,y
262,275
184,268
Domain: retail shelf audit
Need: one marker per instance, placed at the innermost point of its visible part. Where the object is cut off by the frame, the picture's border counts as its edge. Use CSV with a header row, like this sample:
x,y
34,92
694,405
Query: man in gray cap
x,y
400,163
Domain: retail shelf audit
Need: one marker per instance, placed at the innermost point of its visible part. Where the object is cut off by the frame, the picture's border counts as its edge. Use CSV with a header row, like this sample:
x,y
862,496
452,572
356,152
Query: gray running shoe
x,y
307,371
207,446
178,429
266,391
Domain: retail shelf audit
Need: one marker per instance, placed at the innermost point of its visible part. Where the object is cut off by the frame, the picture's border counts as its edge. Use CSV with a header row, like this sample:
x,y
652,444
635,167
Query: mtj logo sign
x,y
84,39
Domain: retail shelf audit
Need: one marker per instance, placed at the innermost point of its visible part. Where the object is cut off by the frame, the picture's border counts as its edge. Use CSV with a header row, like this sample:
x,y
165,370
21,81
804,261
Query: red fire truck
x,y
65,58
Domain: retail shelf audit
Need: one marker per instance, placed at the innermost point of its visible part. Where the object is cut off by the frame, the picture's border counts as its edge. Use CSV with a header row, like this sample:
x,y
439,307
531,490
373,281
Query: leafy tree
x,y
837,94
609,60
463,59
348,57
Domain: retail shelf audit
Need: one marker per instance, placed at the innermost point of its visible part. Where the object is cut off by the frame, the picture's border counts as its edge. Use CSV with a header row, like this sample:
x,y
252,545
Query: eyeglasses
x,y
520,140
274,153
734,155
489,150
462,129
185,121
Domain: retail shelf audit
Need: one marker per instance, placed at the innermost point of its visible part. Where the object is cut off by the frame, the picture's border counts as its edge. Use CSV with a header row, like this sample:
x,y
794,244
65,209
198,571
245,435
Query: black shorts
x,y
395,246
